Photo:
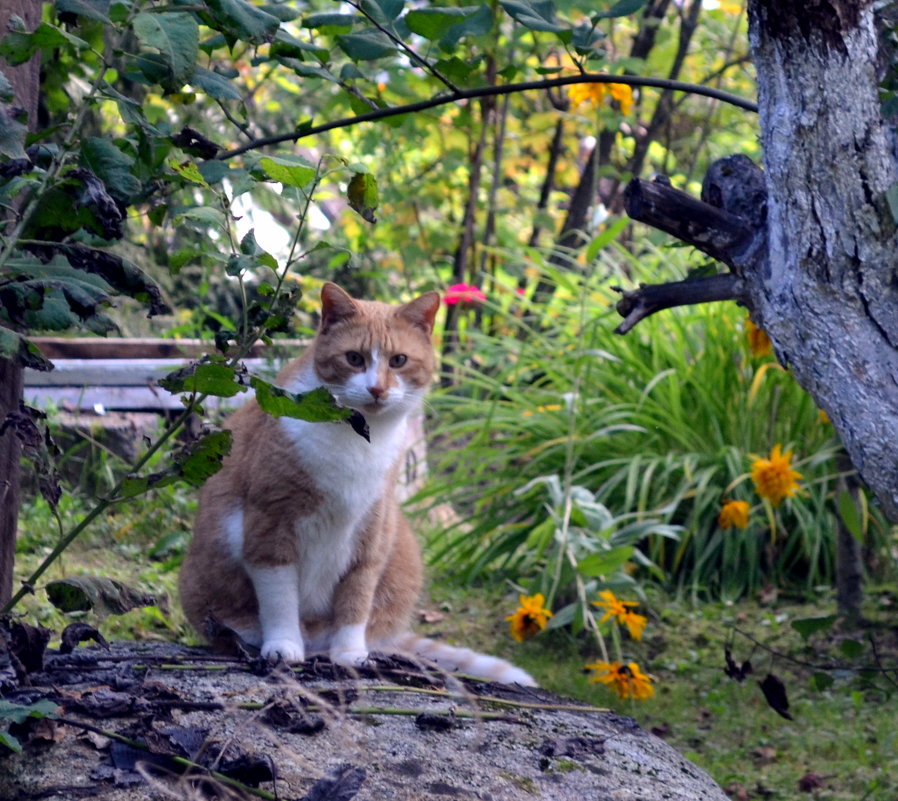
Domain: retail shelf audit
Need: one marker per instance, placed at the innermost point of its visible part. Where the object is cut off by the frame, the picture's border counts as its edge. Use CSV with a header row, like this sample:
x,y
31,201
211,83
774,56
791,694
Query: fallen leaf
x,y
810,781
77,633
764,754
775,693
737,792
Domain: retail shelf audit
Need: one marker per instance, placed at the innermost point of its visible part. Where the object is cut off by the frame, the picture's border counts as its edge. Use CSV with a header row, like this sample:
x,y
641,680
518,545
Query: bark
x,y
828,295
25,82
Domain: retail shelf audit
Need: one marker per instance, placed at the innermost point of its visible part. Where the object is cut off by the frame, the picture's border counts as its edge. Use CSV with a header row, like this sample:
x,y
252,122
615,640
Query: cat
x,y
300,545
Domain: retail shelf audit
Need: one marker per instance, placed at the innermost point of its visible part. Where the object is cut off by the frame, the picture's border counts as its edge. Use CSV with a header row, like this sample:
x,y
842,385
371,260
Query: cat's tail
x,y
462,660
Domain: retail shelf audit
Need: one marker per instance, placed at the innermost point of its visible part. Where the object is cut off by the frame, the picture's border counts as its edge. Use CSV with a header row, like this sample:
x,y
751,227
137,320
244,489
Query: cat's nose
x,y
377,391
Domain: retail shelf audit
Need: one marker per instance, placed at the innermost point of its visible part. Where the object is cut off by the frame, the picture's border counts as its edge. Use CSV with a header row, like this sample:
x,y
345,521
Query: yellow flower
x,y
530,618
733,513
623,94
596,93
759,343
581,92
552,407
618,609
627,681
774,477
823,417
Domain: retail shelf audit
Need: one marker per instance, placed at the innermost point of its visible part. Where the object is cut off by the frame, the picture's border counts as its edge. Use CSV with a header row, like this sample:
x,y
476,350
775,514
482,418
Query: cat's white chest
x,y
350,475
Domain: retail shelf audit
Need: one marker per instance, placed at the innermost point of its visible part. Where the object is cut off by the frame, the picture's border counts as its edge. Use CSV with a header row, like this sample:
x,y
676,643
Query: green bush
x,y
659,427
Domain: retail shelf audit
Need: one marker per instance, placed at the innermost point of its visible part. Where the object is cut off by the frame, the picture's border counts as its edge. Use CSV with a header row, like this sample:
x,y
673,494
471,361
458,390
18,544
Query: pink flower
x,y
466,294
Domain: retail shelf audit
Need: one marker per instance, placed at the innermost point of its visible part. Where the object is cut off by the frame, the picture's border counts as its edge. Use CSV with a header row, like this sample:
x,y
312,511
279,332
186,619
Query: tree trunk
x,y
25,82
828,295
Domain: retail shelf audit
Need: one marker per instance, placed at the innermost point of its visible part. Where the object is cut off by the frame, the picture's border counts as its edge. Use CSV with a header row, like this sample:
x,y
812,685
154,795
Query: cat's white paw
x,y
349,657
284,648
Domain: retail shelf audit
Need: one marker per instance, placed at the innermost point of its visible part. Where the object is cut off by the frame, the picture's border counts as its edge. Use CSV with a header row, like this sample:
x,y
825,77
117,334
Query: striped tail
x,y
462,660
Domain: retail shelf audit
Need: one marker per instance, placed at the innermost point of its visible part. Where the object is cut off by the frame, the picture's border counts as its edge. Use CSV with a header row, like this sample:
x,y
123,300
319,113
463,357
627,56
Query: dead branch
x,y
637,304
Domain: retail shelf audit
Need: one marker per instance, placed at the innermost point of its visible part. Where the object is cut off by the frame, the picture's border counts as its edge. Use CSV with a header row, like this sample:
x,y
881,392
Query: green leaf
x,y
15,347
105,596
822,681
189,172
243,21
112,167
317,406
90,9
852,649
194,463
250,247
175,36
367,45
620,9
811,625
605,563
606,237
205,378
19,713
18,47
205,215
330,22
203,457
434,22
853,520
214,84
537,16
287,46
478,24
7,740
12,134
363,196
384,10
288,170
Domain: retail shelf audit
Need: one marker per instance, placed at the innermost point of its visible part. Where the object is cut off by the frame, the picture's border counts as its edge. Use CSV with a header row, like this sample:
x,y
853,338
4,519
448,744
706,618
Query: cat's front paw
x,y
289,650
349,657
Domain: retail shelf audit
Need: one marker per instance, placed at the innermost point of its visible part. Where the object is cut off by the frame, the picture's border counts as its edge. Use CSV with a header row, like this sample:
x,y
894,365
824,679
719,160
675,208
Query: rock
x,y
141,722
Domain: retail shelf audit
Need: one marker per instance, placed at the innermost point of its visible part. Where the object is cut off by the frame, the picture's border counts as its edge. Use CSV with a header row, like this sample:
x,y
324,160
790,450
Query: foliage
x,y
655,429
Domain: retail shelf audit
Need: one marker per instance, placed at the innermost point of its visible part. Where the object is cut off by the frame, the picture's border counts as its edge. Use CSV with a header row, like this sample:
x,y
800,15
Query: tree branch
x,y
493,91
637,304
720,234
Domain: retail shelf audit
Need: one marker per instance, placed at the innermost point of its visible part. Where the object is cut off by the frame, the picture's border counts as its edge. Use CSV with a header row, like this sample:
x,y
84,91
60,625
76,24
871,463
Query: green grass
x,y
845,735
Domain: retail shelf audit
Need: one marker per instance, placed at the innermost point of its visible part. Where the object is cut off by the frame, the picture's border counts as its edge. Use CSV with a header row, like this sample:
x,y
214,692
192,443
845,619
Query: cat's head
x,y
375,357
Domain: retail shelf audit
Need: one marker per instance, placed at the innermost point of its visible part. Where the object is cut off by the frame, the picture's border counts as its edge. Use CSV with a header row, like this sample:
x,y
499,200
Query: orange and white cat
x,y
300,545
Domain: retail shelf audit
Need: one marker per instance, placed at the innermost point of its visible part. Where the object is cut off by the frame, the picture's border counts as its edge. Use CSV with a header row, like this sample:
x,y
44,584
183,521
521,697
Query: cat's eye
x,y
355,359
397,360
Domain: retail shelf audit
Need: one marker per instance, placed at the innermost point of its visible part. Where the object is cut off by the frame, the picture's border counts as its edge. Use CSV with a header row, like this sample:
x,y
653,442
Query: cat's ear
x,y
336,305
422,311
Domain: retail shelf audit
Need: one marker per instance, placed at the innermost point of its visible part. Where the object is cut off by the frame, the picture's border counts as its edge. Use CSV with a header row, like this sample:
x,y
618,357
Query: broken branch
x,y
637,304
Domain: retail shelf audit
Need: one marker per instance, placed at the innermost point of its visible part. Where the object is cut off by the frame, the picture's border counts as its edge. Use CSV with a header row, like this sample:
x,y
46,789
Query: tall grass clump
x,y
561,440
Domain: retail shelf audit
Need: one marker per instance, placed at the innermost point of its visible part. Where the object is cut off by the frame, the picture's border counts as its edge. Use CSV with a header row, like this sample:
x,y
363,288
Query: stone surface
x,y
393,732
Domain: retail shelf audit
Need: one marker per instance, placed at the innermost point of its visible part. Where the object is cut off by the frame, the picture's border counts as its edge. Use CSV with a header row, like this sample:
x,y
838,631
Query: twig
x,y
810,665
494,91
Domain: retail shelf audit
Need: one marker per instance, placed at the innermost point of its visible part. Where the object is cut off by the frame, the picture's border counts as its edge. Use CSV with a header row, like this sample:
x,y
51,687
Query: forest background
x,y
220,170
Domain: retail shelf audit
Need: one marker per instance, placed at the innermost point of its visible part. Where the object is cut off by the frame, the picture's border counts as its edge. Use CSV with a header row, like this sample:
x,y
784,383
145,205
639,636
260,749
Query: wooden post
x,y
25,82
